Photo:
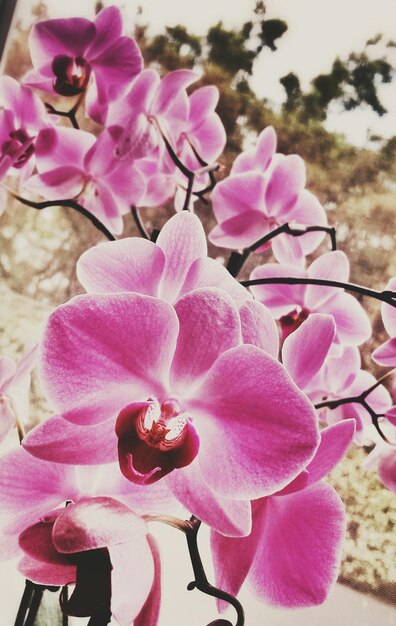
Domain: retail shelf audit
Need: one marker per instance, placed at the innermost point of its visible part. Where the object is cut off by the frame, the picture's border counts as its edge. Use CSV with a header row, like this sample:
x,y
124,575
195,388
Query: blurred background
x,y
323,74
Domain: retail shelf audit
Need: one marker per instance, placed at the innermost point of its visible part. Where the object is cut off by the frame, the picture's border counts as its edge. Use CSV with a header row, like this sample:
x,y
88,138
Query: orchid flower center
x,y
293,320
72,75
154,439
13,147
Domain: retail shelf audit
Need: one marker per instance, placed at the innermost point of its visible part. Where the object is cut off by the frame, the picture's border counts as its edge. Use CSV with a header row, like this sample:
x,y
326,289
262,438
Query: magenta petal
x,y
36,542
108,26
182,240
299,552
285,184
51,38
127,340
280,299
308,211
259,327
209,325
62,147
115,68
96,523
60,441
258,158
60,183
210,273
352,322
331,266
170,86
334,443
131,579
47,573
131,264
386,353
150,611
305,350
232,560
229,517
246,405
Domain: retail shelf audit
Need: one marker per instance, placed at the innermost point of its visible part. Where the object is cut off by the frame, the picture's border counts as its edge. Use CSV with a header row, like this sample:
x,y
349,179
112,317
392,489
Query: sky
x,y
319,30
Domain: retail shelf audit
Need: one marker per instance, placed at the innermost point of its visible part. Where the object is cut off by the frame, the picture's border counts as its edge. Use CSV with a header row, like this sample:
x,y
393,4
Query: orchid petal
x,y
352,322
131,264
47,573
305,349
385,354
280,299
285,184
127,339
296,563
389,312
209,325
259,327
229,517
334,443
182,240
329,266
150,611
208,272
246,424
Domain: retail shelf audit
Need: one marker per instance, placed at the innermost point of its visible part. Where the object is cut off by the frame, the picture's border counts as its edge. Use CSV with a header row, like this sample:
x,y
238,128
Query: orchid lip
x,y
72,75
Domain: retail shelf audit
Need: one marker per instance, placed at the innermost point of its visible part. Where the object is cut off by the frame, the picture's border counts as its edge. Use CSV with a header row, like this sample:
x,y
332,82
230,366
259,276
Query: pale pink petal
x,y
150,611
280,299
182,240
102,203
25,366
168,90
7,417
391,415
287,249
239,194
59,184
131,264
127,340
352,322
308,211
26,106
210,273
259,327
299,552
285,184
209,325
203,102
228,516
62,147
305,349
253,423
60,441
96,523
240,231
334,443
7,371
47,573
132,578
385,354
125,111
260,157
389,312
330,266
44,486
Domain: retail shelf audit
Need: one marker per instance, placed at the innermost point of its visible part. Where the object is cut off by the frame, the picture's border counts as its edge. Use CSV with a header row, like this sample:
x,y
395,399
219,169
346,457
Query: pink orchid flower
x,y
184,393
292,304
98,541
341,377
73,164
74,55
264,191
14,390
386,353
176,264
22,116
292,556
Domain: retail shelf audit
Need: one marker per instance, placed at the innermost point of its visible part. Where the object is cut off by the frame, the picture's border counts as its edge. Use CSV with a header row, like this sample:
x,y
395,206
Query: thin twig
x,y
139,224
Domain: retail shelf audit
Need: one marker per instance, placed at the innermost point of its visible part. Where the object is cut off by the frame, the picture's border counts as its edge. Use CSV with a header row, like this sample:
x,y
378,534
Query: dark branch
x,y
384,296
201,582
139,224
237,259
70,204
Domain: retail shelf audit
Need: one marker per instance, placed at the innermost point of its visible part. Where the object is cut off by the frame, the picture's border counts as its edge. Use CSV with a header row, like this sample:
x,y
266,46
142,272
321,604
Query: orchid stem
x,y
238,259
139,224
70,204
389,297
71,114
361,399
25,603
